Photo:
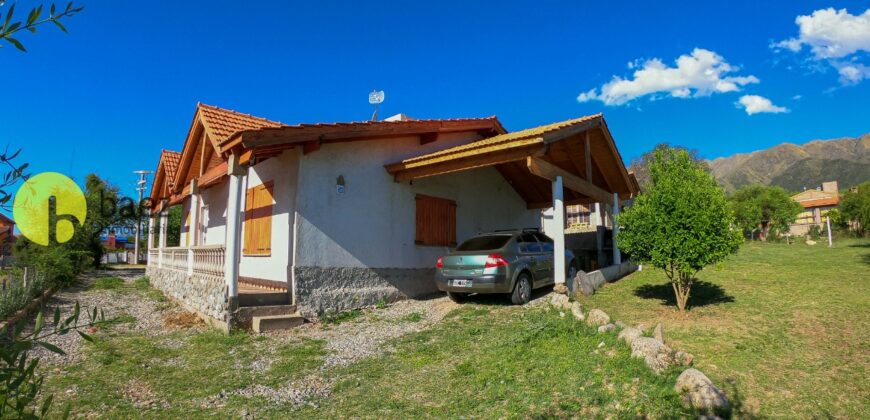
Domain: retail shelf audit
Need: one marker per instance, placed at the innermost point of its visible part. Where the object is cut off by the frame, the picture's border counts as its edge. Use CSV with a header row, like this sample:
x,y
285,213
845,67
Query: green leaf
x,y
40,322
9,16
17,44
46,405
59,25
85,336
51,10
50,347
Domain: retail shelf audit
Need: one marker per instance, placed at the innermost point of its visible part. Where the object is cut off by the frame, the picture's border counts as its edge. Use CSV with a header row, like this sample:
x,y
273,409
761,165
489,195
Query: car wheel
x,y
522,290
457,297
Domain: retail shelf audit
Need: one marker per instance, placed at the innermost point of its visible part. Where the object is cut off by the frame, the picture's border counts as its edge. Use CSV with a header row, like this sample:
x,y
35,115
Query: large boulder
x,y
577,311
629,334
656,354
597,317
699,392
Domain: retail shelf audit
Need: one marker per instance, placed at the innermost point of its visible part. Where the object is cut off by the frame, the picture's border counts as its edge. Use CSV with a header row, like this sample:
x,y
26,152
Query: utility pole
x,y
140,186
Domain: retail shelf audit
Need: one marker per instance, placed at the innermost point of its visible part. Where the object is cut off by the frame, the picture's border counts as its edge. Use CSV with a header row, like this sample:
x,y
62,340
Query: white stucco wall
x,y
282,171
216,199
373,223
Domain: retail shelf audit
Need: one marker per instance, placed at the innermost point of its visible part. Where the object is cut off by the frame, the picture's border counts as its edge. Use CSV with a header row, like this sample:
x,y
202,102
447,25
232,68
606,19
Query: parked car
x,y
514,262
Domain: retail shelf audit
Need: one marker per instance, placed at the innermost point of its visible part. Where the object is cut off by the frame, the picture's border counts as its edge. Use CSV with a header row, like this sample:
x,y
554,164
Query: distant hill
x,y
794,167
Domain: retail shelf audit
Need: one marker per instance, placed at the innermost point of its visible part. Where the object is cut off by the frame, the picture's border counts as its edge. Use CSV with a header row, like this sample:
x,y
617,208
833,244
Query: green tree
x,y
34,19
855,207
771,208
640,166
681,223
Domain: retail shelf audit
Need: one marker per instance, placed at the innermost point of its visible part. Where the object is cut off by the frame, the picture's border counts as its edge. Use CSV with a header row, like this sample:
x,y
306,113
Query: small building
x,y
7,235
816,203
333,216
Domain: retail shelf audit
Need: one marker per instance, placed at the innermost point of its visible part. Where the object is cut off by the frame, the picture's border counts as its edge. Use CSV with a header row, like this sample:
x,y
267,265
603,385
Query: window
x,y
528,244
577,215
436,221
203,224
484,243
258,220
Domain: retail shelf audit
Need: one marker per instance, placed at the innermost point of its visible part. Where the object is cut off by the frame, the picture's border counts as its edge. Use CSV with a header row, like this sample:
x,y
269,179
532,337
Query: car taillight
x,y
495,260
440,262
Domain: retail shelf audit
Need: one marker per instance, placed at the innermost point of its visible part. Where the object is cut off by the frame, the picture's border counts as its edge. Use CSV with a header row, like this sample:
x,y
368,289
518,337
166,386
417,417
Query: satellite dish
x,y
376,97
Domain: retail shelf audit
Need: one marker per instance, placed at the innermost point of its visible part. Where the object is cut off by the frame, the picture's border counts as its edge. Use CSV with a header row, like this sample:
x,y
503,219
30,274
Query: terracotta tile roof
x,y
170,161
503,141
223,123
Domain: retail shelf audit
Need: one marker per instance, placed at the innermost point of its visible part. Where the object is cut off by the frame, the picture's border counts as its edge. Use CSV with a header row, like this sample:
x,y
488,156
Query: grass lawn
x,y
485,359
787,324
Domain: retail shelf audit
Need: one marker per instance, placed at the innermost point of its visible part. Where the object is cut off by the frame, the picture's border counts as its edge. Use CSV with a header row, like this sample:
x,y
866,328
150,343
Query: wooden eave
x,y
266,142
530,159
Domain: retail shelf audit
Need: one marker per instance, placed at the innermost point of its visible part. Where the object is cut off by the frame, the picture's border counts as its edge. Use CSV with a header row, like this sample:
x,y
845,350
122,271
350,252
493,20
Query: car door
x,y
532,253
547,258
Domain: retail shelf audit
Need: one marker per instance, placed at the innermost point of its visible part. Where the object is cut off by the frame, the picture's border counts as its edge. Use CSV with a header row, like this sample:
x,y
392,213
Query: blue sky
x,y
124,82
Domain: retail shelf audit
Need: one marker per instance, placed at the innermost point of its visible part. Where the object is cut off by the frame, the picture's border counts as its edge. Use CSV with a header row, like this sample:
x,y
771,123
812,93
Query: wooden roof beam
x,y
455,165
572,182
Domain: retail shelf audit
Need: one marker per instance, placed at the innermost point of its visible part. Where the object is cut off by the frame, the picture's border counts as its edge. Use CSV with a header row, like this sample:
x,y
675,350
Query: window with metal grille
x,y
436,221
258,220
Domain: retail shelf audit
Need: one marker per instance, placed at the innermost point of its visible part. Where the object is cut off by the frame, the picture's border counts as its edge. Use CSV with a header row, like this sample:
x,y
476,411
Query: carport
x,y
551,166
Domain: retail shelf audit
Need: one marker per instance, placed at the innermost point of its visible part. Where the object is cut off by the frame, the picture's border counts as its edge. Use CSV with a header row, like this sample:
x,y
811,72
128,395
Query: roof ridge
x,y
242,114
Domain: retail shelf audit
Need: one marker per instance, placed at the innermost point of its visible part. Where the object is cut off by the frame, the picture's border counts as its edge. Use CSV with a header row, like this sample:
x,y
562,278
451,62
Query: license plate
x,y
461,283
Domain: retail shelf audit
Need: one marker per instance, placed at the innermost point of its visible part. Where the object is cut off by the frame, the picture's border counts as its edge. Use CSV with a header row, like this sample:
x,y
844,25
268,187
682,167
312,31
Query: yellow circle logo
x,y
38,216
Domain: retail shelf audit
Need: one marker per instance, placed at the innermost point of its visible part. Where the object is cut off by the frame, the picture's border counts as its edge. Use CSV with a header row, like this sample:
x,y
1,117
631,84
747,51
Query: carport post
x,y
617,256
234,208
559,234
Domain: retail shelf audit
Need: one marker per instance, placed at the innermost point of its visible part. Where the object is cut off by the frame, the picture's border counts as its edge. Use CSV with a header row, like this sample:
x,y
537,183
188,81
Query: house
x,y
281,218
7,235
816,203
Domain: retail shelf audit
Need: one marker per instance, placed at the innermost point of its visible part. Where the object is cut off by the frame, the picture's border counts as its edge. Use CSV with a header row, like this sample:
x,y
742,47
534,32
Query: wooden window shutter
x,y
258,220
436,221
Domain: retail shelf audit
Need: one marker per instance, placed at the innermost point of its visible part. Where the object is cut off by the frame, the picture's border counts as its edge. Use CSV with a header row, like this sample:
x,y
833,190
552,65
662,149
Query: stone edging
x,y
696,389
27,310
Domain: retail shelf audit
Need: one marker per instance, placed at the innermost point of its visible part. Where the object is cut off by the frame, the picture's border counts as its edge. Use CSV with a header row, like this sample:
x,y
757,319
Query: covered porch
x,y
549,167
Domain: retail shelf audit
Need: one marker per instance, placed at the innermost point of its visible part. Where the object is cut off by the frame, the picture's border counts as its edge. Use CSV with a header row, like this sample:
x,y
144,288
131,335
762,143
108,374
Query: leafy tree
x,y
769,207
640,166
34,19
855,207
20,382
681,223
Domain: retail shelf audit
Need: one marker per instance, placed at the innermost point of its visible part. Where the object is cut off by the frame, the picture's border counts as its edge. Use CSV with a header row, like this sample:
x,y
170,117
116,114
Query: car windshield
x,y
484,243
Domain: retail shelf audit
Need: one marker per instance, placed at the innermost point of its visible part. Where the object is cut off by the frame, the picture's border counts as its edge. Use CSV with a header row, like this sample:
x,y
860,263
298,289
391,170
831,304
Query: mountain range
x,y
796,167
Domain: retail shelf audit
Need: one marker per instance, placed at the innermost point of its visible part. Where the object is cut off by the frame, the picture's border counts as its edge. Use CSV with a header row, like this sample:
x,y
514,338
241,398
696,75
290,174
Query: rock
x,y
607,328
560,301
561,314
597,317
684,358
658,334
620,324
656,354
811,242
601,344
642,327
629,334
699,392
561,289
577,311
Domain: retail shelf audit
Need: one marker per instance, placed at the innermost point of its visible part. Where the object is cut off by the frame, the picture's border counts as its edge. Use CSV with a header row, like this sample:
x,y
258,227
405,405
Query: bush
x,y
17,295
815,232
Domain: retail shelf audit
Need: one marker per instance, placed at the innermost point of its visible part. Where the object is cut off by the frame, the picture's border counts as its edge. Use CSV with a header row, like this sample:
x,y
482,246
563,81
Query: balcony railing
x,y
208,260
175,258
153,257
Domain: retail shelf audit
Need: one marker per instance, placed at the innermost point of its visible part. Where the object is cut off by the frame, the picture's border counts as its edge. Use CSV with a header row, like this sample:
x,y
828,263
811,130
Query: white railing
x,y
153,256
208,260
175,258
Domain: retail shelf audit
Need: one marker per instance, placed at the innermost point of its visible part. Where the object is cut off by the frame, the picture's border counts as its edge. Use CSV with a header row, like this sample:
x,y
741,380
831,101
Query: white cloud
x,y
754,104
702,73
834,36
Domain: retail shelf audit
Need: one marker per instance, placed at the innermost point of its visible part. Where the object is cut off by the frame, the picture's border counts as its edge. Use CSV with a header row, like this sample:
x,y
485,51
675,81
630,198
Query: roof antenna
x,y
375,98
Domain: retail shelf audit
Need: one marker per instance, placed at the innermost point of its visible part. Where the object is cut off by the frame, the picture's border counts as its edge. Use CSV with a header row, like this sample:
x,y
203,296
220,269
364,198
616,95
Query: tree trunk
x,y
682,288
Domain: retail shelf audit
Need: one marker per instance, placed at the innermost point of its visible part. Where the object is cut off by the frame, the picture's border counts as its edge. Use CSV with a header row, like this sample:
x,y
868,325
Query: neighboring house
x,y
320,217
816,204
7,235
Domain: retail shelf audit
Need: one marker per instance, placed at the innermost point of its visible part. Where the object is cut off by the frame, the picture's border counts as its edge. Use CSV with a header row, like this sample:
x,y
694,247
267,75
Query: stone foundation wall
x,y
321,289
206,295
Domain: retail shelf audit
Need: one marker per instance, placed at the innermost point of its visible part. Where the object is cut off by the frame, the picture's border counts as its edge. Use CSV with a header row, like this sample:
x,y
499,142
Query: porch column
x,y
164,221
234,230
192,230
599,235
150,232
559,234
617,256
